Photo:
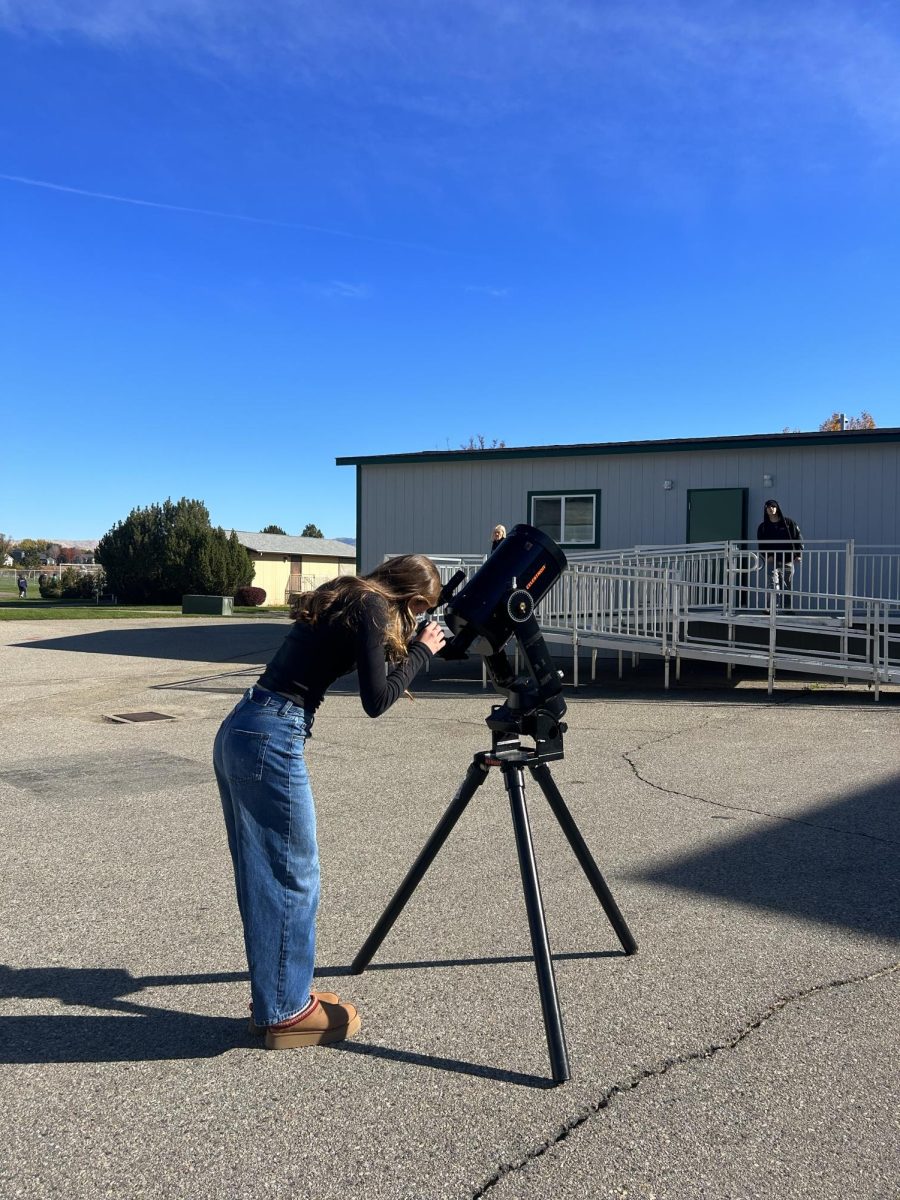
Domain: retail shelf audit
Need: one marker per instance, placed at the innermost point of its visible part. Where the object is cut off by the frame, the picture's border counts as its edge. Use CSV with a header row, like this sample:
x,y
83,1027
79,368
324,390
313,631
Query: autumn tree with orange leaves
x,y
865,420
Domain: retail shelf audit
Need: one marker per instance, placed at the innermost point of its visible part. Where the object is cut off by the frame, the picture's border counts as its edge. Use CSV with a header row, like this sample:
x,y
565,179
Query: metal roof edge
x,y
749,441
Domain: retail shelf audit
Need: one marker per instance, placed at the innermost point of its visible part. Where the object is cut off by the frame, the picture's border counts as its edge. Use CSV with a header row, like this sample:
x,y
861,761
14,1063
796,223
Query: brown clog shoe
x,y
258,1030
324,1022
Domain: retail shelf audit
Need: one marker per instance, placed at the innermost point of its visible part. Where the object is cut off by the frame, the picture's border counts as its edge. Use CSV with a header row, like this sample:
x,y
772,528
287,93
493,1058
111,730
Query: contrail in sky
x,y
211,212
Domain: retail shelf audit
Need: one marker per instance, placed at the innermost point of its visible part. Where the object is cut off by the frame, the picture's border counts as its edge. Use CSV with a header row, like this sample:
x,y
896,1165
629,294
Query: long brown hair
x,y
399,581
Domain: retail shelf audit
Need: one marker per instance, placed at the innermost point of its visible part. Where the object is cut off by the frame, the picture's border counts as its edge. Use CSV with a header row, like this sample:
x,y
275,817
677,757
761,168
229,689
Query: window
x,y
570,518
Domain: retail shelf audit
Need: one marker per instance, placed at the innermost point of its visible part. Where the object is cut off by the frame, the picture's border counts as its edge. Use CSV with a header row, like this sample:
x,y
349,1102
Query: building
x,y
609,495
284,564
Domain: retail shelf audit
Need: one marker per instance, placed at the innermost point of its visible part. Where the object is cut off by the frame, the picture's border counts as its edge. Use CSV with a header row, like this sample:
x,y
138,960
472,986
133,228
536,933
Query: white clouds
x,y
340,289
474,60
505,88
495,293
334,289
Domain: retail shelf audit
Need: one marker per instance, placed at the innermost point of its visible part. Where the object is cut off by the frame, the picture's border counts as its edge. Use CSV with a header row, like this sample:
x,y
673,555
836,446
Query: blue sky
x,y
240,238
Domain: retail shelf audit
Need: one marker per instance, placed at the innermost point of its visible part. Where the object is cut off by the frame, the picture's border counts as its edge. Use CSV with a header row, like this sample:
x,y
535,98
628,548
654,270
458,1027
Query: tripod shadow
x,y
129,1031
495,960
454,1065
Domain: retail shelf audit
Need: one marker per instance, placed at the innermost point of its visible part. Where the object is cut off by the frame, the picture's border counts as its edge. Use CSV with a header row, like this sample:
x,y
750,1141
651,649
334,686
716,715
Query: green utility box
x,y
209,606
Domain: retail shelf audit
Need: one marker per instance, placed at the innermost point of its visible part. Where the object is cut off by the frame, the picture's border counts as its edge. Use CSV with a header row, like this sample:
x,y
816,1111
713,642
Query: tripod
x,y
508,753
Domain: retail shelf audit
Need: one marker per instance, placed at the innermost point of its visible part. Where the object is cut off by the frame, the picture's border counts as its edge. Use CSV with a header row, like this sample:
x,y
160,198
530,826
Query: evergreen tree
x,y
312,531
241,567
165,551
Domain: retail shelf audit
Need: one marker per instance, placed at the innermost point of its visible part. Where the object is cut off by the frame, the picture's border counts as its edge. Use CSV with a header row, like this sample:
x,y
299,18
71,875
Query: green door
x,y
717,514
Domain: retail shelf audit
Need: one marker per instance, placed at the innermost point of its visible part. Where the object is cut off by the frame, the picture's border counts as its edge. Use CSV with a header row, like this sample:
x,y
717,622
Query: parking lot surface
x,y
749,1048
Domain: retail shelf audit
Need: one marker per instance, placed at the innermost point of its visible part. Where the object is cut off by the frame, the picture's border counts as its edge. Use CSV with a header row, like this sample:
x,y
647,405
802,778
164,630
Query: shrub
x,y
249,597
70,583
50,589
78,585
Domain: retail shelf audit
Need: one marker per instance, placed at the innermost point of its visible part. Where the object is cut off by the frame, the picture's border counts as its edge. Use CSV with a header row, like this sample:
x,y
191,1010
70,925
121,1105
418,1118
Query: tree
x,y
165,551
6,544
865,420
273,529
33,550
311,531
67,554
478,443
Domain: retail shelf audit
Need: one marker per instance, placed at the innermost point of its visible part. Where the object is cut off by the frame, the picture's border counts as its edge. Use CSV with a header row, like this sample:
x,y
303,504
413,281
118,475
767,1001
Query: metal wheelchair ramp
x,y
718,603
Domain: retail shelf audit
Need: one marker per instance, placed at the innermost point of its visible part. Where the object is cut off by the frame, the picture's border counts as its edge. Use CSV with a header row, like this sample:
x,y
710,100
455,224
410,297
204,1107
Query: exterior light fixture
x,y
768,480
667,485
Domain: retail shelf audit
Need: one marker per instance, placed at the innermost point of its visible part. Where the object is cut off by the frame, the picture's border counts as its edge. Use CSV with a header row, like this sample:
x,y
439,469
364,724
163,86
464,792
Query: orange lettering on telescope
x,y
535,577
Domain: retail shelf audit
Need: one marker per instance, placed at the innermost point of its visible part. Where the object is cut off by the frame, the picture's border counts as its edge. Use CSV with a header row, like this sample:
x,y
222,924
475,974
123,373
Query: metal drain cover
x,y
133,718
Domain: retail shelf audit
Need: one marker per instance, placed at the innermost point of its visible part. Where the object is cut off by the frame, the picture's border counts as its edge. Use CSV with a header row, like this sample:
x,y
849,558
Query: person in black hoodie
x,y
781,547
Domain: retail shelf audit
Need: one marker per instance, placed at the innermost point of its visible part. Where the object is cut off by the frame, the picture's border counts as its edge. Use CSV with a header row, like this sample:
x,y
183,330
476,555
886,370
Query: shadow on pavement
x,y
256,641
497,960
143,1033
232,642
443,1064
836,865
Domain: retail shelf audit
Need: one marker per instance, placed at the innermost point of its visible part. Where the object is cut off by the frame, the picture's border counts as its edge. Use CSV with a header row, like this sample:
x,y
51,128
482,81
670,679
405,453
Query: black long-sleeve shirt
x,y
312,657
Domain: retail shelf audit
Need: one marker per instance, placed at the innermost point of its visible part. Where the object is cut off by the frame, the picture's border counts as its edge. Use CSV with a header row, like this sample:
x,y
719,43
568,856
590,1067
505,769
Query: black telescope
x,y
503,594
498,603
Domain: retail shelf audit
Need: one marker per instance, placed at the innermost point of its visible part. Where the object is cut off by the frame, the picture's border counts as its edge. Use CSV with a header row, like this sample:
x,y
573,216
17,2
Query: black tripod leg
x,y
513,777
545,781
475,777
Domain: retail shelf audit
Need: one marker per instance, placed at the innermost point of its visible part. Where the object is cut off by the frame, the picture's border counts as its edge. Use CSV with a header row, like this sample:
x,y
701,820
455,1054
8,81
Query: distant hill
x,y
83,544
347,541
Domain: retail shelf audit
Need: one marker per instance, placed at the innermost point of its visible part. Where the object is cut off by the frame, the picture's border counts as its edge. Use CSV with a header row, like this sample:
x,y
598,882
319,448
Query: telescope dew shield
x,y
505,591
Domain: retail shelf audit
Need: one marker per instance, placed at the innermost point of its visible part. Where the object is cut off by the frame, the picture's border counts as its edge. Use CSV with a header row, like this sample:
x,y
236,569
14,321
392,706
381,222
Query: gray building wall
x,y
838,491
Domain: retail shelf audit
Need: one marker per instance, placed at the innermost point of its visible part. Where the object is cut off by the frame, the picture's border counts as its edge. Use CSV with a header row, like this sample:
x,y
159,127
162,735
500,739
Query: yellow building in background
x,y
285,564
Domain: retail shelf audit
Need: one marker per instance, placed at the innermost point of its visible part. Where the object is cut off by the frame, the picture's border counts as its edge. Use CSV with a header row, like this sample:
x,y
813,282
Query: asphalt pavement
x,y
749,1049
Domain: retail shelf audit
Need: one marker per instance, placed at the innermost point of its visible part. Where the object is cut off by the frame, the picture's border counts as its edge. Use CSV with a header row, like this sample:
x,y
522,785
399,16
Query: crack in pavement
x,y
759,812
659,1069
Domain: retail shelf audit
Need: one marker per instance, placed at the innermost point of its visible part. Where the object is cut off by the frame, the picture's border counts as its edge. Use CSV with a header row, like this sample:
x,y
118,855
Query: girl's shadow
x,y
131,1032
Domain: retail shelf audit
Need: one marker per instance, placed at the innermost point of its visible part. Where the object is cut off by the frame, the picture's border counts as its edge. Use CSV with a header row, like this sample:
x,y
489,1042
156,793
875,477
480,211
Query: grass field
x,y
76,610
36,608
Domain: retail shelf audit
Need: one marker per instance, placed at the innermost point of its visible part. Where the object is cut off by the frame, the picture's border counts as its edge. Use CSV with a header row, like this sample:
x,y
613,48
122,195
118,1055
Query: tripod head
x,y
499,603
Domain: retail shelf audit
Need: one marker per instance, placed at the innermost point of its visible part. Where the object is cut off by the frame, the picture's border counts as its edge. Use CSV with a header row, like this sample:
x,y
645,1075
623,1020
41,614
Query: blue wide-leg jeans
x,y
271,821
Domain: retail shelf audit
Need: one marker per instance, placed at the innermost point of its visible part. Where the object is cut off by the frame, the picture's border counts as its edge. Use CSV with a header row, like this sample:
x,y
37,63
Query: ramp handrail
x,y
668,601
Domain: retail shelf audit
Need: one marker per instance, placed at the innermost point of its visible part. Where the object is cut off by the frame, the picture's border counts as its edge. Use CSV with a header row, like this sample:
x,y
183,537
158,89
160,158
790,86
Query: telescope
x,y
498,603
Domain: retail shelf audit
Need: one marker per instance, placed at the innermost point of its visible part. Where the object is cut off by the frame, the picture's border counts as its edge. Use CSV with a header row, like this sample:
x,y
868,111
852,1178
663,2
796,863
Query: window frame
x,y
563,494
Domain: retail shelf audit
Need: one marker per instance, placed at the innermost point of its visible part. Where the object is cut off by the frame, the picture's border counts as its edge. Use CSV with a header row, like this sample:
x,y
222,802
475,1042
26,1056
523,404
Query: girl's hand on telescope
x,y
432,635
